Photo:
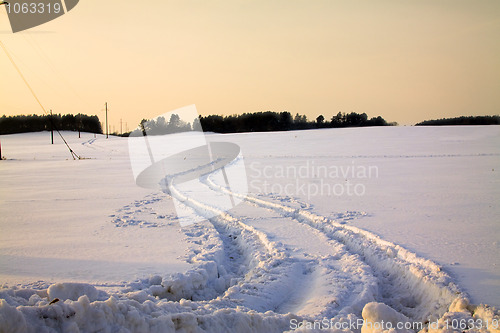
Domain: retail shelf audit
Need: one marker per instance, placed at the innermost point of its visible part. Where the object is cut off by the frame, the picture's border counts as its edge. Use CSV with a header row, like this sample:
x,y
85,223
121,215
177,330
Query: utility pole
x,y
106,120
51,128
121,129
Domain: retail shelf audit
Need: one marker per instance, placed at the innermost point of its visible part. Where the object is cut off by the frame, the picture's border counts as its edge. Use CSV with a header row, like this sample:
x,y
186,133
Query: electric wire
x,y
73,154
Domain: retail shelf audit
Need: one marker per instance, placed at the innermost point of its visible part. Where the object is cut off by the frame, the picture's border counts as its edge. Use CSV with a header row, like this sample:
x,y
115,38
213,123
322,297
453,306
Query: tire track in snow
x,y
412,285
234,264
366,267
296,277
270,271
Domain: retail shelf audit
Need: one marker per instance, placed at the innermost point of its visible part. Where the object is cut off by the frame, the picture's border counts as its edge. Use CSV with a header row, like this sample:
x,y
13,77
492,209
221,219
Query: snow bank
x,y
379,317
123,315
72,291
11,320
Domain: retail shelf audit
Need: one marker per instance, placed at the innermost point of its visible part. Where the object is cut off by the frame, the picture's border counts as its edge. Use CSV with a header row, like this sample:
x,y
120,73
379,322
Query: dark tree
x,y
320,119
285,121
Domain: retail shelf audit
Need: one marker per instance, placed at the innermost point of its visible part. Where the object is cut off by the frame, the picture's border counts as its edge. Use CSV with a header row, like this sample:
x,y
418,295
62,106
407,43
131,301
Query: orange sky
x,y
404,60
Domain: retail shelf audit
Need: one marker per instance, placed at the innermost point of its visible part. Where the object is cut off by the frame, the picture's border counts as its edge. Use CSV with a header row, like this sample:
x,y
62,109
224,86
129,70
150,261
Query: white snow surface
x,y
364,228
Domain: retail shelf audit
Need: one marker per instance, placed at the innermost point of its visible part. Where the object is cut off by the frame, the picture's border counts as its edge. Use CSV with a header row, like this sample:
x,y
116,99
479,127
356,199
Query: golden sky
x,y
404,60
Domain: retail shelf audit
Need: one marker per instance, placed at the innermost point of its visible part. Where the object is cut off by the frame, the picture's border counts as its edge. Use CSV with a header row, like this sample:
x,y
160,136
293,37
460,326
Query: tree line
x,y
246,122
471,120
284,121
35,123
253,122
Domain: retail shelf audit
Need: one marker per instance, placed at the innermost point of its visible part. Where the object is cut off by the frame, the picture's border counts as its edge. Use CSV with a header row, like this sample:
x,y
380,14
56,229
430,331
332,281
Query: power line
x,y
22,76
73,154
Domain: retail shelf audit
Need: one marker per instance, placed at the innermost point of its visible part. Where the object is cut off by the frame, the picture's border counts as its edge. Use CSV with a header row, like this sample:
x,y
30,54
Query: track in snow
x,y
256,253
414,286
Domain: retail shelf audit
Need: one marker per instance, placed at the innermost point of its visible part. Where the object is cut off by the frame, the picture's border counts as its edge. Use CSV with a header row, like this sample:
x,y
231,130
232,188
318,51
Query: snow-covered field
x,y
391,225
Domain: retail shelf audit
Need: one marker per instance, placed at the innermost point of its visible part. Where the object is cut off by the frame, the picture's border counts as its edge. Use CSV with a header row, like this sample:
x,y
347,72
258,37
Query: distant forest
x,y
255,122
247,122
35,123
284,121
471,120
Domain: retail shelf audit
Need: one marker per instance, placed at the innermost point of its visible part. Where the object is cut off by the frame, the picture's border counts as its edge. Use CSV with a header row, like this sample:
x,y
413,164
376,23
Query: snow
x,y
411,239
379,317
